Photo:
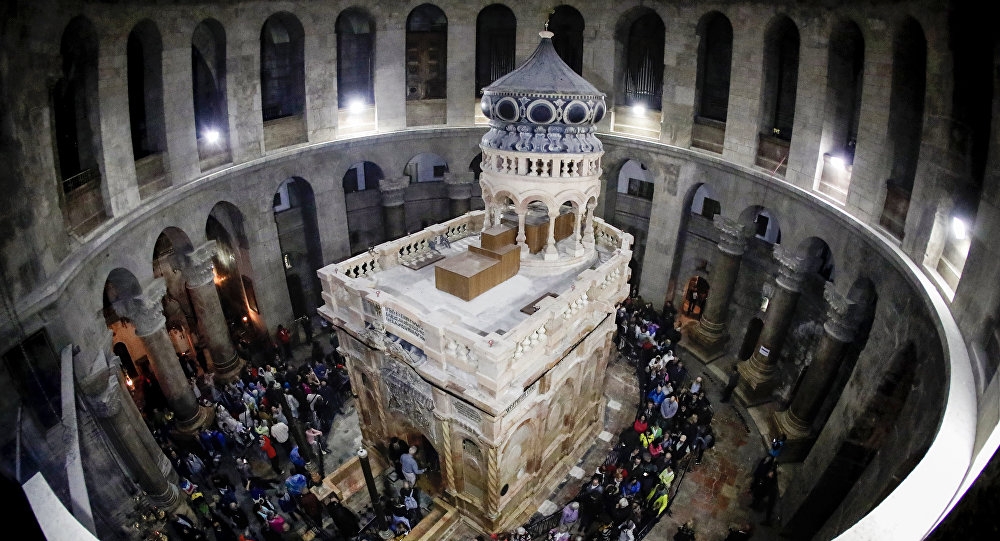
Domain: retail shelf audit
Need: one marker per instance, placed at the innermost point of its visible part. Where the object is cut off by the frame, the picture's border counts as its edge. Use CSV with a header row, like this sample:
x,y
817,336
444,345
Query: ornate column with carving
x,y
757,374
205,300
522,238
459,192
150,327
488,211
710,336
101,387
393,208
588,228
551,252
578,248
447,454
816,383
492,483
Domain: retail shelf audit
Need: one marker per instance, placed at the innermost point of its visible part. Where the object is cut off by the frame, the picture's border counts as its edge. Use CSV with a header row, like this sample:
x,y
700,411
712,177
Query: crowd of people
x,y
256,419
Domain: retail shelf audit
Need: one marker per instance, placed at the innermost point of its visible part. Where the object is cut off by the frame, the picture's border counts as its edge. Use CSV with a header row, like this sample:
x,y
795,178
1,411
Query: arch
x,y
633,179
763,222
361,176
233,270
906,118
426,167
120,296
715,59
781,73
355,58
294,206
426,53
476,166
818,257
168,263
842,114
496,34
473,479
75,116
517,451
703,202
144,52
209,75
121,291
282,67
640,36
567,25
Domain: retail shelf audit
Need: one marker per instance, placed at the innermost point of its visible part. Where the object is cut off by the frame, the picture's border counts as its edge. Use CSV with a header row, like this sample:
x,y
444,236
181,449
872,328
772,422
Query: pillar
x,y
393,206
838,331
588,228
522,239
578,248
214,330
551,252
459,192
709,338
150,327
101,387
757,374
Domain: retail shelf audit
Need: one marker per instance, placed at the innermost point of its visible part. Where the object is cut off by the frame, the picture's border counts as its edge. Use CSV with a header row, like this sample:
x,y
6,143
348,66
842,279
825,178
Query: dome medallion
x,y
543,106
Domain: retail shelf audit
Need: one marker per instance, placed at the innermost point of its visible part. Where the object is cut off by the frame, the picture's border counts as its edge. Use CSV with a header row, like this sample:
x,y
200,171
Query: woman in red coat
x,y
272,455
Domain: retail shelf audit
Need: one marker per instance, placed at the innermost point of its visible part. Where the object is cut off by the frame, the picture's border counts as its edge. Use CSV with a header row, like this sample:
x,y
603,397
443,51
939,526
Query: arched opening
x,y
364,209
476,166
75,111
817,257
426,167
750,338
702,205
120,295
763,223
496,32
642,70
234,275
781,74
426,53
282,80
566,23
472,471
298,236
632,208
355,60
145,106
715,58
168,263
906,120
208,76
844,79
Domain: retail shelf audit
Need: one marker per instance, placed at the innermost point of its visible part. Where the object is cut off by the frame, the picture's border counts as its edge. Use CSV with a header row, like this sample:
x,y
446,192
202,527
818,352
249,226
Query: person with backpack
x,y
411,500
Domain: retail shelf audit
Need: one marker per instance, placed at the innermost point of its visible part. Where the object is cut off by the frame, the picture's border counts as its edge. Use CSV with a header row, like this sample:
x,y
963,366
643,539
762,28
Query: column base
x,y
228,371
708,340
755,387
169,500
800,439
189,428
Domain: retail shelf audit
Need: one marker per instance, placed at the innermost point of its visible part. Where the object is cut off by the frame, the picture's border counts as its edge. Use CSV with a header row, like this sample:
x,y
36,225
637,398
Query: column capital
x,y
99,384
199,265
790,269
459,185
393,190
147,309
732,235
841,322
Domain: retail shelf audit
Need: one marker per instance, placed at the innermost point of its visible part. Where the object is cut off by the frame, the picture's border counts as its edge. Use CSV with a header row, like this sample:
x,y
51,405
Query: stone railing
x,y
542,165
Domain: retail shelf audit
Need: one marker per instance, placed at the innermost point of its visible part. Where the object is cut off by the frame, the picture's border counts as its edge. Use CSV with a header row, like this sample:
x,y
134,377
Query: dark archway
x,y
301,251
496,33
145,90
642,34
208,77
567,24
355,58
715,58
282,67
426,53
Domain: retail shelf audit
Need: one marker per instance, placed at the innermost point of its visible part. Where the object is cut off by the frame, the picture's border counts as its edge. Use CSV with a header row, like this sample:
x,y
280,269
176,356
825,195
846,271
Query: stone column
x,y
150,327
551,252
101,387
393,208
488,211
796,421
710,336
205,300
588,228
757,374
459,192
522,239
578,248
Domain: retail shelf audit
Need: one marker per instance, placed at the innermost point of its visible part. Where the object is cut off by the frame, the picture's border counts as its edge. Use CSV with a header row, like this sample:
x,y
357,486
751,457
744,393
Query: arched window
x,y
362,176
355,59
426,167
715,58
282,64
75,111
906,120
208,76
845,67
145,90
642,77
567,25
426,53
781,74
495,35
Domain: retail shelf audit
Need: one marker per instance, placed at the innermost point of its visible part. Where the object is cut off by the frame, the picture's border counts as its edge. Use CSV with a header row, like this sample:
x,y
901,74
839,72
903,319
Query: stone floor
x,y
713,494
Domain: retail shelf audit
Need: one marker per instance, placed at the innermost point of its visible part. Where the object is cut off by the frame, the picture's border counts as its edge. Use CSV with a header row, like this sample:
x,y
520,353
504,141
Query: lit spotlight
x,y
958,228
638,109
356,106
212,136
837,161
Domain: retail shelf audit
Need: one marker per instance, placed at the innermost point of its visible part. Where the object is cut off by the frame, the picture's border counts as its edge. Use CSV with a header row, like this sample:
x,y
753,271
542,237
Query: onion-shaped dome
x,y
543,106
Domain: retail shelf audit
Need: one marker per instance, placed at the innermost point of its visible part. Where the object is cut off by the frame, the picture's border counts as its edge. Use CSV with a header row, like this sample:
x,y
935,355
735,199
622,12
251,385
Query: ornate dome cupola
x,y
541,158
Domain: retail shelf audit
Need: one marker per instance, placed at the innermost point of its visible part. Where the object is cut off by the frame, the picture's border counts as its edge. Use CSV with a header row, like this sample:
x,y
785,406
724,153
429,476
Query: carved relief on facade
x,y
408,395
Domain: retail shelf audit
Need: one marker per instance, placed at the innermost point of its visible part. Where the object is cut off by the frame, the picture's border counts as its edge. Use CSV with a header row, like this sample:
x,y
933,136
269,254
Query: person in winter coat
x,y
570,514
346,521
272,455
